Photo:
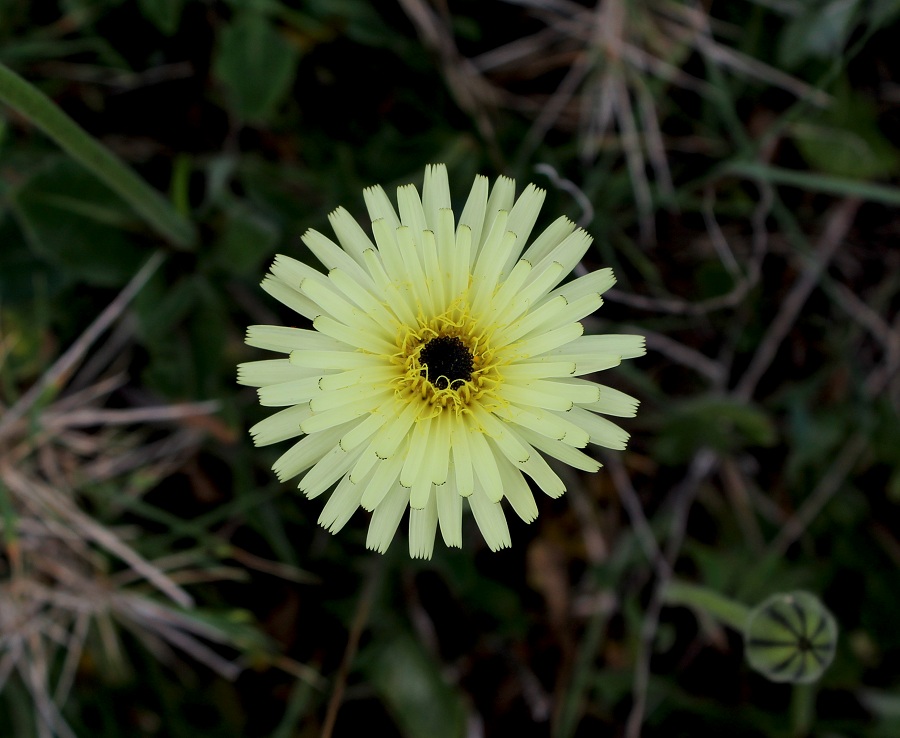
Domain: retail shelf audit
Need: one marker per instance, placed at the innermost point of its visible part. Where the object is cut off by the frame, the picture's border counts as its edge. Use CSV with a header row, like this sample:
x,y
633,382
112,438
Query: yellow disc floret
x,y
446,361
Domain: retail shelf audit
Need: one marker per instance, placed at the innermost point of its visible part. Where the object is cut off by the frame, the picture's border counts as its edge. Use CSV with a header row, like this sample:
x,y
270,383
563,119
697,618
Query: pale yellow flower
x,y
444,362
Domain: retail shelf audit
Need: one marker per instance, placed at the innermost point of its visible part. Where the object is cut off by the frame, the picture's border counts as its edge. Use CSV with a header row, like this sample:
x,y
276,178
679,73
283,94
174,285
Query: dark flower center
x,y
448,360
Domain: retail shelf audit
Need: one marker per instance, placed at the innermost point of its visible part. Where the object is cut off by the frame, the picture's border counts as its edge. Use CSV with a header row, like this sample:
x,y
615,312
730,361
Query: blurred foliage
x,y
74,223
845,140
256,64
740,129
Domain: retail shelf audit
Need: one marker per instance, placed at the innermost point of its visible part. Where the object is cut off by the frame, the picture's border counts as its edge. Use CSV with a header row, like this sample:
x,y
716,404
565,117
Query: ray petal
x,y
449,507
386,518
422,526
490,519
435,194
341,505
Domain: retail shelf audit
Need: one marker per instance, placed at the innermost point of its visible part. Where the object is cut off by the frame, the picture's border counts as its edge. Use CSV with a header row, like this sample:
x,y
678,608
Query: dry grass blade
x,y
566,185
177,629
632,504
74,649
714,371
853,449
631,141
63,366
57,504
473,93
695,29
360,618
55,558
682,498
743,284
835,231
86,417
828,486
275,568
603,56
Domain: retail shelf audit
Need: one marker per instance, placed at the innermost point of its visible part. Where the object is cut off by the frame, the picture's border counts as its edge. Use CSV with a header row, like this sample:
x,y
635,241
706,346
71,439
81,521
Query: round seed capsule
x,y
791,637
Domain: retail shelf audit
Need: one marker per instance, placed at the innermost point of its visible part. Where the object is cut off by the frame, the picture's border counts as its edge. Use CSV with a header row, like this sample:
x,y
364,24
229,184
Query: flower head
x,y
443,362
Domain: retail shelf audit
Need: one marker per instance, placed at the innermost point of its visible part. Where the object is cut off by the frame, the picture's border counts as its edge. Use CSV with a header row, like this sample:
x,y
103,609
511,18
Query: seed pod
x,y
791,637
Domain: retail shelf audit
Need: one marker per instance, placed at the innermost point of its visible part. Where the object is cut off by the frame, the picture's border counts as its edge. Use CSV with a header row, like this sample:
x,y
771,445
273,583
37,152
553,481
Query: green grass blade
x,y
812,182
90,153
726,611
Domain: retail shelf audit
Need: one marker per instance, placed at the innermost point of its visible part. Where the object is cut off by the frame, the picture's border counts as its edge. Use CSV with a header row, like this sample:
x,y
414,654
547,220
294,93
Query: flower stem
x,y
34,105
726,611
803,709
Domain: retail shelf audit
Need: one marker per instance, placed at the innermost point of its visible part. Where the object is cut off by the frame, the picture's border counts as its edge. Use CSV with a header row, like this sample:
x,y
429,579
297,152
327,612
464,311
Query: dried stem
x,y
363,608
63,366
836,229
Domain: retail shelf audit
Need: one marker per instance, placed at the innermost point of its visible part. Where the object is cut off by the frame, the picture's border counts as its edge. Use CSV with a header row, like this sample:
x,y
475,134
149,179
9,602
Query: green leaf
x,y
813,433
23,274
164,14
845,140
163,309
883,704
815,182
75,222
409,681
722,424
208,330
882,12
163,305
256,65
884,707
36,107
820,32
85,7
246,239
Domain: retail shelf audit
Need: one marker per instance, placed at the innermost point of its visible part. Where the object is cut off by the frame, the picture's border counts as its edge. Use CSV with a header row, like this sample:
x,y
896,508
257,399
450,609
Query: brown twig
x,y
682,497
363,608
632,505
827,487
836,229
738,496
714,371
